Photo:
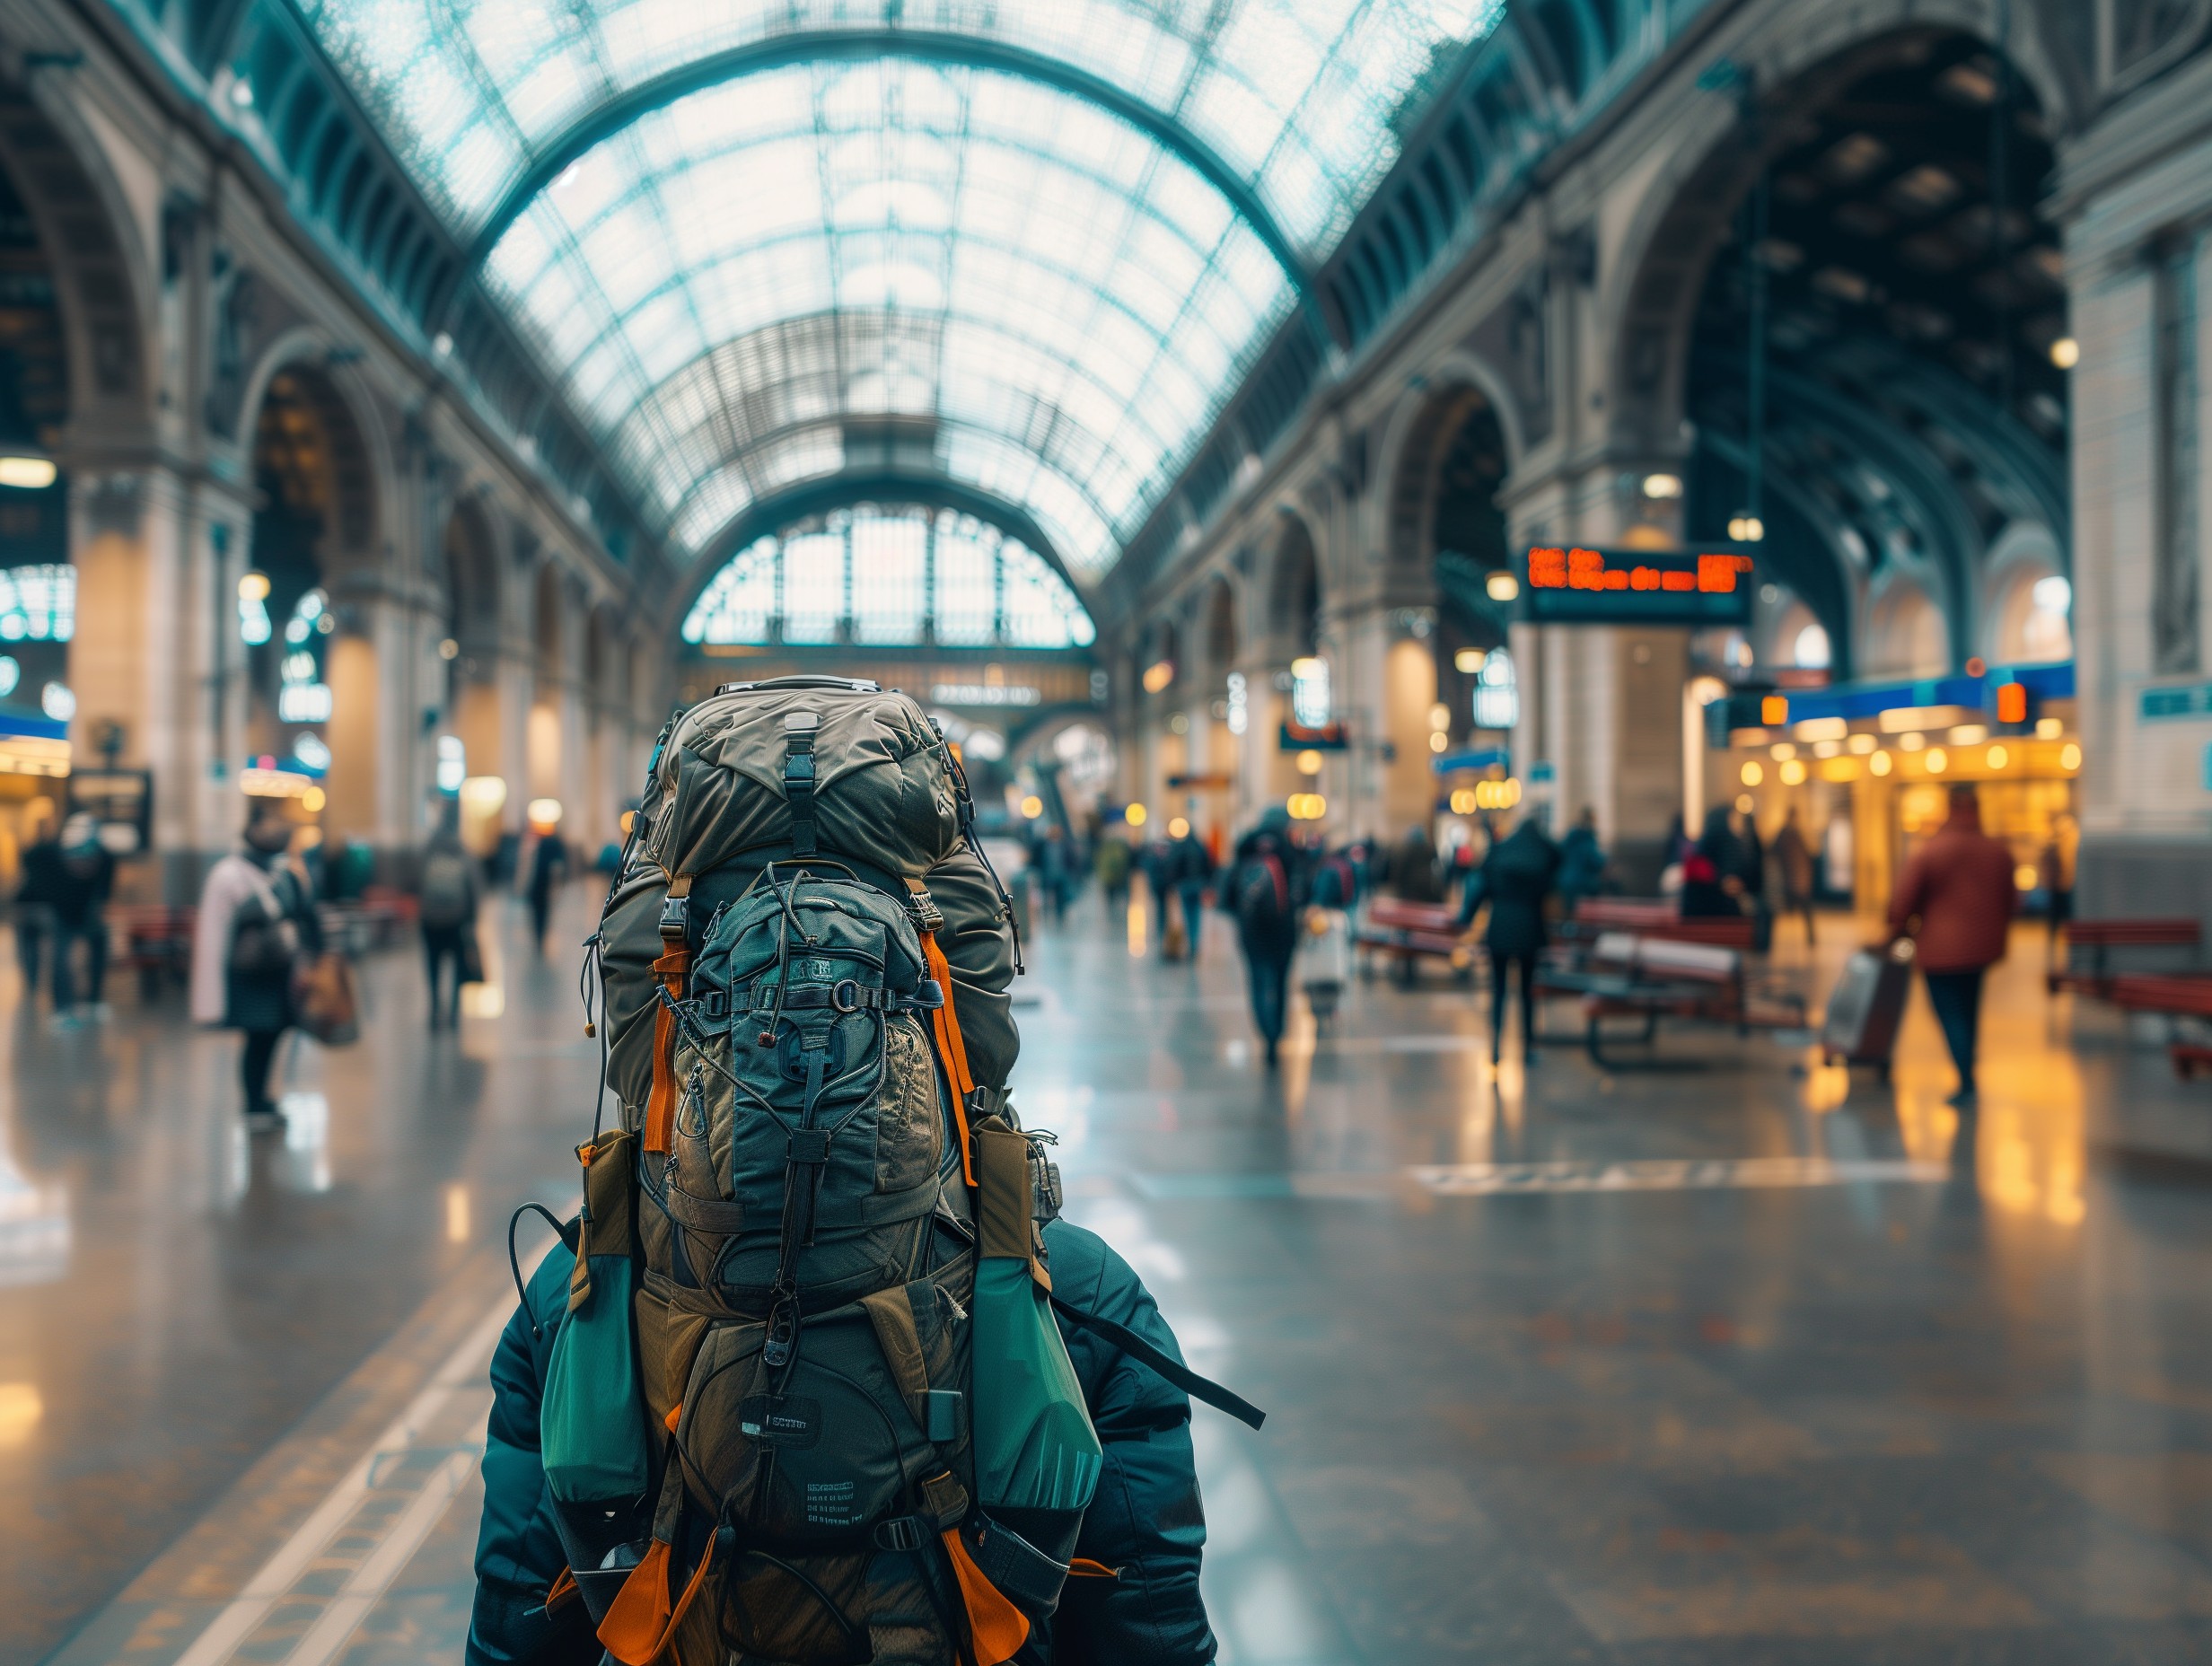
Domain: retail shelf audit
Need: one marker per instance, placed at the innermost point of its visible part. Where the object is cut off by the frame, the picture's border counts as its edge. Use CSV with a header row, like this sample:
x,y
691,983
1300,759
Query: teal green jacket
x,y
1146,1519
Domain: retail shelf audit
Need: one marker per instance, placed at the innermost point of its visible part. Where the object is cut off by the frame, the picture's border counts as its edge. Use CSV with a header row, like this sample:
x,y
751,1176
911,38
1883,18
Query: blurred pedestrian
x,y
1190,867
1582,862
41,883
1793,857
83,883
1110,864
2054,877
255,920
1413,867
1711,876
1956,902
1514,880
1262,890
549,866
447,906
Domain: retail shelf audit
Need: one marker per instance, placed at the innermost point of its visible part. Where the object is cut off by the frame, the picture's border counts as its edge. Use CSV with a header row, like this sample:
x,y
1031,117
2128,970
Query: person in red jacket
x,y
1959,888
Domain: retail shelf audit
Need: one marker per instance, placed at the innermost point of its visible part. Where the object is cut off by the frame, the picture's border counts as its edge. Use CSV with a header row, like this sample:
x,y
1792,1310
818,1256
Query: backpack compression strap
x,y
1128,1342
951,1050
671,970
799,729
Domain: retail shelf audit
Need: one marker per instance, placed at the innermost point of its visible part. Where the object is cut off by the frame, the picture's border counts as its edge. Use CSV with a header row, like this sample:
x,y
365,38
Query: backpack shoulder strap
x,y
1121,1338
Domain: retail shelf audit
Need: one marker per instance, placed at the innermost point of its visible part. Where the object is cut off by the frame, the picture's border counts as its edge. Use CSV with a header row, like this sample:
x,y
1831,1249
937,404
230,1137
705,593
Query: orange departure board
x,y
1572,585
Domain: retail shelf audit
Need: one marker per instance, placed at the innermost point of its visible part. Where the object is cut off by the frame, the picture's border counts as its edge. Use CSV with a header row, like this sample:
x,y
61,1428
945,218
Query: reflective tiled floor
x,y
1749,1362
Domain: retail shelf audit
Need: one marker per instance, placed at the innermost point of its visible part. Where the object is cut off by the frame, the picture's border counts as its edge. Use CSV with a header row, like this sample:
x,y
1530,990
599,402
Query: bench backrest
x,y
1412,916
1661,957
1656,918
2135,933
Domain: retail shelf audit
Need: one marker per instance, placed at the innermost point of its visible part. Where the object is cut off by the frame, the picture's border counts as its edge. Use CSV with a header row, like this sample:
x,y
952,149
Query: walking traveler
x,y
35,893
1191,866
255,920
1956,902
549,866
1263,890
1514,880
1582,860
1413,868
2054,877
1712,879
1793,855
1111,864
83,883
447,913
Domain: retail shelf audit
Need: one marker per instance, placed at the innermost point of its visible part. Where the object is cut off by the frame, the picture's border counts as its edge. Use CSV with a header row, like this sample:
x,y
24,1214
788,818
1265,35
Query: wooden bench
x,y
2091,945
1628,975
1409,933
1657,918
156,939
2169,996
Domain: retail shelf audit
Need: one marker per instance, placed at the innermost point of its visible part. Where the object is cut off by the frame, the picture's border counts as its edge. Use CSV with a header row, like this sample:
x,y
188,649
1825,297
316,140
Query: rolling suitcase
x,y
1860,1025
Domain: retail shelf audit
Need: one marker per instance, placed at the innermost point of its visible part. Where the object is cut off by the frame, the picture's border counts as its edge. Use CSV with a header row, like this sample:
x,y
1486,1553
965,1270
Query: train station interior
x,y
1291,832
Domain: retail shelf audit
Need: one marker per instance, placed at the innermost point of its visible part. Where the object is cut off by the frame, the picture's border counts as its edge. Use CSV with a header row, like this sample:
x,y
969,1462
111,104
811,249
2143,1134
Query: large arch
x,y
1295,595
362,467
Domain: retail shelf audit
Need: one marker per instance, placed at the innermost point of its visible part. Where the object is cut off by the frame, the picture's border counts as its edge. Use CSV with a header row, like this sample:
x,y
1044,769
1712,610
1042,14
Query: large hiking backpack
x,y
817,1230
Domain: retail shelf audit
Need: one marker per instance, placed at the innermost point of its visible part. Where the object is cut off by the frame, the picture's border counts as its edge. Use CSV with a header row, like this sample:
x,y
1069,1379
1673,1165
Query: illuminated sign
x,y
984,694
1312,738
1567,584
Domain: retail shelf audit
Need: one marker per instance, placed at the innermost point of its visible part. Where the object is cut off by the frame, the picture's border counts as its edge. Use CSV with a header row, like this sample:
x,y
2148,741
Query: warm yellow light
x,y
1826,749
545,813
484,793
1179,827
2065,353
1158,675
1793,773
1746,528
1501,586
448,649
2069,756
1033,807
1938,761
1862,745
1880,764
1309,762
1753,774
1437,742
1999,758
1782,751
21,1408
254,586
2049,728
1498,795
1663,486
1463,801
313,799
1306,668
31,474
629,821
1912,742
1440,716
1821,729
1774,710
1705,690
1746,804
456,1213
1469,660
1969,735
2024,877
1134,815
1306,806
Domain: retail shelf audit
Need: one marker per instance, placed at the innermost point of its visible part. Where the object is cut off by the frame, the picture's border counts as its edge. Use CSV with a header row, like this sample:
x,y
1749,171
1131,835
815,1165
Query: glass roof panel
x,y
1058,296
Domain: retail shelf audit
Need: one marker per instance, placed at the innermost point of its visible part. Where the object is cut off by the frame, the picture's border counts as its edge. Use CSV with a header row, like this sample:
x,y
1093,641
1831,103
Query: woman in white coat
x,y
255,920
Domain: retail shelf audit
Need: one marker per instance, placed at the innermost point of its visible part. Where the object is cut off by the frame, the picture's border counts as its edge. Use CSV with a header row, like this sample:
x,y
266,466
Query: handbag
x,y
471,955
325,1002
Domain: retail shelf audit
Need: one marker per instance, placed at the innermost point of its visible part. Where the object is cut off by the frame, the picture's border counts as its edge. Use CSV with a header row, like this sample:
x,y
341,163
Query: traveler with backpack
x,y
446,909
1514,880
1264,892
808,1396
256,920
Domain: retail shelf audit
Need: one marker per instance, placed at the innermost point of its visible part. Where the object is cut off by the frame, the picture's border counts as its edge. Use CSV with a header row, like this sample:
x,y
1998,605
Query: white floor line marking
x,y
373,1577
1668,1175
282,1571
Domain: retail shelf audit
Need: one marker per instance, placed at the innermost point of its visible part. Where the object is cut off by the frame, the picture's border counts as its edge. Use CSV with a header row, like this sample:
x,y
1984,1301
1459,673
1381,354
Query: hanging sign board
x,y
1313,737
1570,584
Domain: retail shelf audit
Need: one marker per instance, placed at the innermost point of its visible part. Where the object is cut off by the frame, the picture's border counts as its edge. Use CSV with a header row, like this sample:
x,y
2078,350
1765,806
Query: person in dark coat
x,y
1514,880
1582,860
1146,1519
83,882
549,866
40,884
1191,865
1956,902
1264,890
255,919
1711,876
1792,854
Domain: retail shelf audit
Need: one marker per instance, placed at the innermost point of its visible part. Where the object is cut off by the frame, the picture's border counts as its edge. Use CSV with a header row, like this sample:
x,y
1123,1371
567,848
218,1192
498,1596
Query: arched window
x,y
891,577
1810,650
1498,692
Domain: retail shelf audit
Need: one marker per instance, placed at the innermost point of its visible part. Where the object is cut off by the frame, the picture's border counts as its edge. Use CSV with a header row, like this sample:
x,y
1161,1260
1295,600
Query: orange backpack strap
x,y
952,1049
642,1620
997,1628
671,971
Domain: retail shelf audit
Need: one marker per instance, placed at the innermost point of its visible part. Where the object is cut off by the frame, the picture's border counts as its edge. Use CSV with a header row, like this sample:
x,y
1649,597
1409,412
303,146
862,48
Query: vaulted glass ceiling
x,y
1028,245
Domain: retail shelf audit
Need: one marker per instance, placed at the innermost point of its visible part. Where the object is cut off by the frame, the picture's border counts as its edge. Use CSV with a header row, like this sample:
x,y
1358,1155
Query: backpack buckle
x,y
809,1147
675,918
901,1532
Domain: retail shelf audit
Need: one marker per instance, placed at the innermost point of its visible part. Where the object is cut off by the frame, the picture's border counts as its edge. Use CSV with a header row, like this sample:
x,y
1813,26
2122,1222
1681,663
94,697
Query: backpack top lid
x,y
875,781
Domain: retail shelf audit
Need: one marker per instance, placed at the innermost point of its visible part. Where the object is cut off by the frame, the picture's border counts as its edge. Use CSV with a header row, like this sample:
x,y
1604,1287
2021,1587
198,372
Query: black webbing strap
x,y
1188,1380
799,778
